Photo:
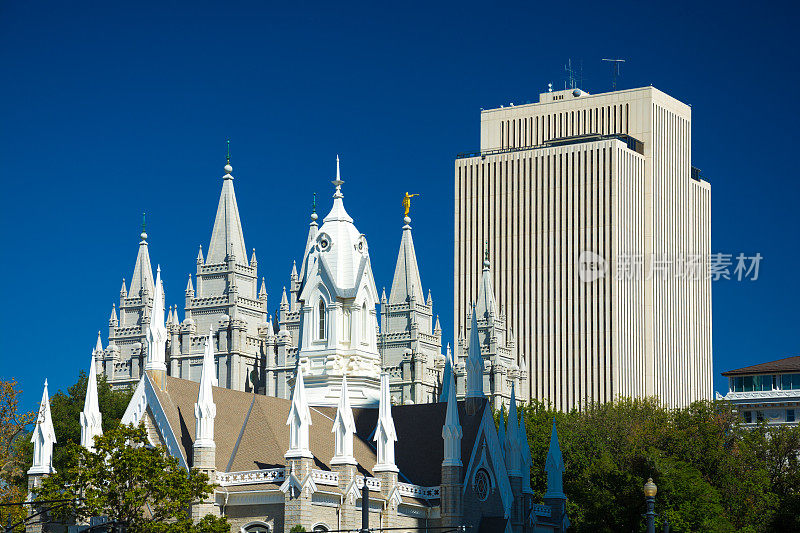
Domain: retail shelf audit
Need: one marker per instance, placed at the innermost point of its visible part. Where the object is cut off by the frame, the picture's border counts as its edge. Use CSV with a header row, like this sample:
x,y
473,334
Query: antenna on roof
x,y
614,71
571,74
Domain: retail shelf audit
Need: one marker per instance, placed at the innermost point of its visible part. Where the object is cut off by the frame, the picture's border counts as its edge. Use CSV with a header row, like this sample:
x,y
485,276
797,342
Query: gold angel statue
x,y
407,202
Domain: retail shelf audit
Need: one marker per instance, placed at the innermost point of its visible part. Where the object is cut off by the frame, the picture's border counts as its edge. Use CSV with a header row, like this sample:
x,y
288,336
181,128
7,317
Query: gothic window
x,y
321,318
482,484
364,322
320,527
257,528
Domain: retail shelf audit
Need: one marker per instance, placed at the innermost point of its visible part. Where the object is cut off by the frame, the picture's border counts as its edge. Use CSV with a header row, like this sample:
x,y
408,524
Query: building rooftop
x,y
788,364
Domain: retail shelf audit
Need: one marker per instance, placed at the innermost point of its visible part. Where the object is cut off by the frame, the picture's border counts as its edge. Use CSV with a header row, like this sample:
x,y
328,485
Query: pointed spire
x,y
447,376
189,285
311,239
157,332
337,211
262,294
437,328
43,438
344,427
501,429
512,445
123,292
142,279
474,361
200,259
451,431
253,260
98,347
293,275
91,419
172,318
486,303
554,467
112,320
284,299
205,410
383,294
299,420
406,283
385,433
227,237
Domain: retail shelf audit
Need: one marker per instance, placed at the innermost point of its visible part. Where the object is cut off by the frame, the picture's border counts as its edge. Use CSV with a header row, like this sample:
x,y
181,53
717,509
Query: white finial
x,y
344,427
91,419
474,361
157,331
299,420
205,410
338,181
43,438
385,433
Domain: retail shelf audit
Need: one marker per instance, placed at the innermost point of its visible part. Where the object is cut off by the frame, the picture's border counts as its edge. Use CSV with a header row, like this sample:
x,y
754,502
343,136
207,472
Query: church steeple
x,y
486,303
406,281
91,419
227,236
142,271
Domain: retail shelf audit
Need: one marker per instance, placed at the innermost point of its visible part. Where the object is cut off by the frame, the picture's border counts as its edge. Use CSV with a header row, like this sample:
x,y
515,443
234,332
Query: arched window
x,y
256,528
320,527
364,338
482,484
321,318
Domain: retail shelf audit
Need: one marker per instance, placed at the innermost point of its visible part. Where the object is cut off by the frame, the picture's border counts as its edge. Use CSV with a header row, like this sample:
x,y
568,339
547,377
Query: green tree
x,y
713,473
13,433
131,482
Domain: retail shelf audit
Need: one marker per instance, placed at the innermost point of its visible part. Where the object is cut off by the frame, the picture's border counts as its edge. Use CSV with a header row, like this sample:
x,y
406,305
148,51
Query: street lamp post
x,y
650,490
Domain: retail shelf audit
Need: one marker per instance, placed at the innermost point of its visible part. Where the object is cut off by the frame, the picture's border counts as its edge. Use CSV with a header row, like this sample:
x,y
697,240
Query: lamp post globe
x,y
650,490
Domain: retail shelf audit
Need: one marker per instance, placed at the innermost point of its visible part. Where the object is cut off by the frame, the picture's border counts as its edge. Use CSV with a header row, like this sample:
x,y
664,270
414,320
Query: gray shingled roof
x,y
788,364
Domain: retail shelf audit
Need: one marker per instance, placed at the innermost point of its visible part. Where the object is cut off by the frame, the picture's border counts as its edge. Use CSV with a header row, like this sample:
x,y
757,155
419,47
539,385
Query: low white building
x,y
766,392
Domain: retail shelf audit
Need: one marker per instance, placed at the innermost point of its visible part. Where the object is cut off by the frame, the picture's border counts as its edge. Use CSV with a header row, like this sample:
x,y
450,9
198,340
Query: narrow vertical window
x,y
321,318
364,323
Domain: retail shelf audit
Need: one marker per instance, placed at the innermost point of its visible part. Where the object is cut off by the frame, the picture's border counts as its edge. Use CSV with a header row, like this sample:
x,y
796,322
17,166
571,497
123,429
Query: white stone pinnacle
x,y
205,410
157,332
43,438
91,418
474,361
299,420
451,431
344,427
385,433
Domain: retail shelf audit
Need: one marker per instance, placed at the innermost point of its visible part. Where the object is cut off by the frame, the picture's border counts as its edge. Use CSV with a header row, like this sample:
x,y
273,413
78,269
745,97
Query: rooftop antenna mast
x,y
614,71
571,74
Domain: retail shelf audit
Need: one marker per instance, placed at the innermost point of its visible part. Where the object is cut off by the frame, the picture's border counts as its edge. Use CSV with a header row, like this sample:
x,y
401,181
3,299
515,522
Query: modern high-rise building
x,y
598,228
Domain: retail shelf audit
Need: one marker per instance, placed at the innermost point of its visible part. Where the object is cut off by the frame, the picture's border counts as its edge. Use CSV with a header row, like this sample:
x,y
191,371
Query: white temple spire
x,y
227,236
447,374
157,332
91,419
311,239
344,427
451,431
554,467
205,410
486,303
142,279
474,361
299,420
406,282
43,438
98,348
385,433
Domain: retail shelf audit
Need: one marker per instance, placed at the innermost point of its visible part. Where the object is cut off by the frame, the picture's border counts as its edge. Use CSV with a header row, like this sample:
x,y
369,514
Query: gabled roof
x,y
250,432
227,235
788,364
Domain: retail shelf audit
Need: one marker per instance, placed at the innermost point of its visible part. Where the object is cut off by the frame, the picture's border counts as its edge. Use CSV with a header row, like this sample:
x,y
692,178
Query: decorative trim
x,y
249,477
763,395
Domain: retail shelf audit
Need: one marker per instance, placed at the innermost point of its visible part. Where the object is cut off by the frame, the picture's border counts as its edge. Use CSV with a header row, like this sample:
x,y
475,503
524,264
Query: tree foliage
x,y
129,481
713,474
13,430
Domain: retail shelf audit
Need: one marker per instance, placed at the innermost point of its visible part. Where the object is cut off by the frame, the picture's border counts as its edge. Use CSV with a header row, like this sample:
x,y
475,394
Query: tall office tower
x,y
595,222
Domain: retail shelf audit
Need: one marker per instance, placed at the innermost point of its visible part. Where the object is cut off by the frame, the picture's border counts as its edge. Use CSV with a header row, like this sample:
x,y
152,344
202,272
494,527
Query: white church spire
x,y
205,410
451,431
474,361
486,303
157,332
91,419
406,282
43,438
554,467
385,433
512,444
447,375
344,427
299,420
142,279
98,347
311,239
227,236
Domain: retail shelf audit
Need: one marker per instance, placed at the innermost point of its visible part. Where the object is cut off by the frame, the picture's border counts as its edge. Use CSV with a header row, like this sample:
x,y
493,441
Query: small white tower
x,y
385,433
344,427
43,438
205,410
91,419
299,421
157,332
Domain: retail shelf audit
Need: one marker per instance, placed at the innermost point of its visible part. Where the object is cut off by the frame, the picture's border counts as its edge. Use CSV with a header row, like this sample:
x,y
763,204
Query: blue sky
x,y
111,109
